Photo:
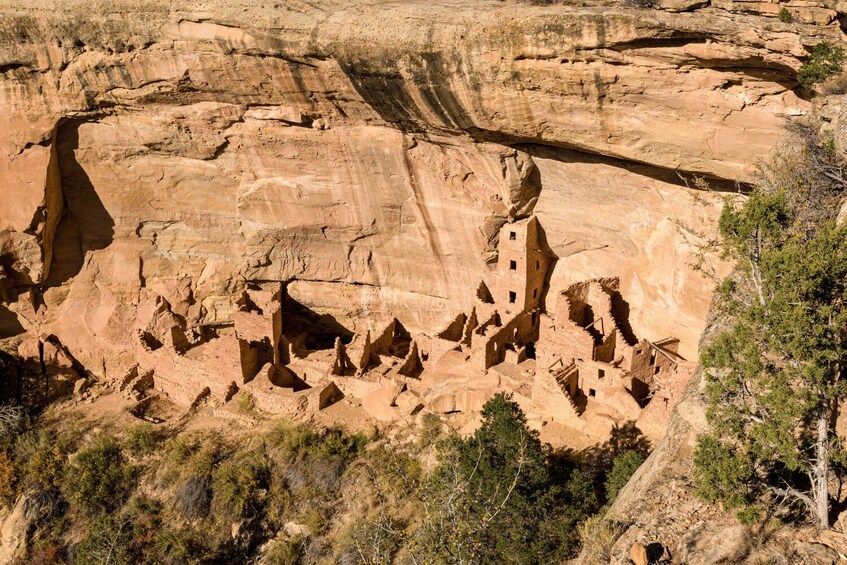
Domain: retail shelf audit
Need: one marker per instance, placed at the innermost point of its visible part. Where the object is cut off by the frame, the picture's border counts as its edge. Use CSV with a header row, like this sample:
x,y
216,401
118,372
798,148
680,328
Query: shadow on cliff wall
x,y
620,312
11,377
9,324
544,246
308,330
598,459
670,176
86,224
32,384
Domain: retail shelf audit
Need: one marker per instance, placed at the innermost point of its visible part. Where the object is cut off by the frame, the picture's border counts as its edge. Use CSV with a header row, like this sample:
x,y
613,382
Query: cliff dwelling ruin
x,y
221,220
576,367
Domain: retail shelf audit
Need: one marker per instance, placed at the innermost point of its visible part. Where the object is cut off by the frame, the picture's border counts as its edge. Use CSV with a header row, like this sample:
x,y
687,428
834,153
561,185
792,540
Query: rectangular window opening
x,y
592,392
535,293
513,235
513,265
537,265
601,373
513,297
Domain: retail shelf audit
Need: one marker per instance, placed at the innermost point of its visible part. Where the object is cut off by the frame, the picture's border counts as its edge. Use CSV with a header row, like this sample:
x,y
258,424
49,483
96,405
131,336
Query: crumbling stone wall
x,y
551,397
393,340
518,331
563,340
213,365
597,378
607,349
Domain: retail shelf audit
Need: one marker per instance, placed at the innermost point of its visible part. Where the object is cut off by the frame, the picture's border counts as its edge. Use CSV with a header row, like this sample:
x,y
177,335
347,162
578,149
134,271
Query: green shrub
x,y
300,442
41,460
8,478
393,471
336,442
290,438
192,455
280,501
503,466
98,478
236,485
211,452
246,404
623,467
124,537
825,61
314,517
177,544
106,541
183,448
722,473
785,16
142,439
283,550
431,430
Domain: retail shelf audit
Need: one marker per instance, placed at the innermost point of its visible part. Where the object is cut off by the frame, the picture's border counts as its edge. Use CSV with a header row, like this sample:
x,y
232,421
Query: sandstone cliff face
x,y
367,152
658,505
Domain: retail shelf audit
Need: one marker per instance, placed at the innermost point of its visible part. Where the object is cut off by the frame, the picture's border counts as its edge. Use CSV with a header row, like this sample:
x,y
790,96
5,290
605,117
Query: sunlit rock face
x,y
367,154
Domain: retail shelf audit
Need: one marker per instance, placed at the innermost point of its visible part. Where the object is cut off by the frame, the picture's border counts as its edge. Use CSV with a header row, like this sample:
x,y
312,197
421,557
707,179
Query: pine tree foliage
x,y
623,467
499,497
825,61
777,375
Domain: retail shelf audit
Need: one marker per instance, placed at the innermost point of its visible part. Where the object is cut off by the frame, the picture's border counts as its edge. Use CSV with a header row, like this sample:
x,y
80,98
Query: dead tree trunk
x,y
820,471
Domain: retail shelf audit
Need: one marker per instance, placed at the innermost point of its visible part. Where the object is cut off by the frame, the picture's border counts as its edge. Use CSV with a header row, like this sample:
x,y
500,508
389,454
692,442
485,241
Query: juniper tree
x,y
825,61
776,376
499,497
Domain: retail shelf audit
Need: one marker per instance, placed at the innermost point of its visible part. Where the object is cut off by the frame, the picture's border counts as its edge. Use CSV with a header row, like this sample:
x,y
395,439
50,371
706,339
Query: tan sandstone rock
x,y
366,155
638,554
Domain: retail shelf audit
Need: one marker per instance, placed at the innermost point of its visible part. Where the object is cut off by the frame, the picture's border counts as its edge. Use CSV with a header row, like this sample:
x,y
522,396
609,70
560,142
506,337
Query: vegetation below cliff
x,y
83,483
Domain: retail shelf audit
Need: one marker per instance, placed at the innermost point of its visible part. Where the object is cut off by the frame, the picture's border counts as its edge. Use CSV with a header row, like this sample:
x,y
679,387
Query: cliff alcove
x,y
366,212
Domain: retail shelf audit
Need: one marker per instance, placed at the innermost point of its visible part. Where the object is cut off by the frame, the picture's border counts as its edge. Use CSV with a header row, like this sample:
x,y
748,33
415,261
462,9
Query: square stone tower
x,y
521,266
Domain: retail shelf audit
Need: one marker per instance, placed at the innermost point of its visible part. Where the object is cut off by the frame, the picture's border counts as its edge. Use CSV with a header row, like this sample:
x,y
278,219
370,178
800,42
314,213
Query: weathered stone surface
x,y
156,159
805,11
15,525
81,386
818,553
638,554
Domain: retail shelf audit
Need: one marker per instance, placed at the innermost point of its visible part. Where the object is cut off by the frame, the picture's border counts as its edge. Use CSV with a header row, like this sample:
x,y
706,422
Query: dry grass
x,y
835,85
597,536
